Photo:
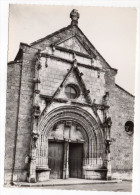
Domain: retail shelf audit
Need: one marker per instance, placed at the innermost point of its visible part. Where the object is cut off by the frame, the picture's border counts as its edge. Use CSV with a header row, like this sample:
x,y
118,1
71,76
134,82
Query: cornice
x,y
15,62
63,100
73,51
70,61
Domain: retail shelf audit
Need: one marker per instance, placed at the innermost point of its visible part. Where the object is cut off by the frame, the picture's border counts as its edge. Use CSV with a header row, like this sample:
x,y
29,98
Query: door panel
x,y
55,159
75,160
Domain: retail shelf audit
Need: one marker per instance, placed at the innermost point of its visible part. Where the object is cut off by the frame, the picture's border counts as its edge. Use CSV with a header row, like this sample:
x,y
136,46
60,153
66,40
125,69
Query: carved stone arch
x,y
85,119
70,109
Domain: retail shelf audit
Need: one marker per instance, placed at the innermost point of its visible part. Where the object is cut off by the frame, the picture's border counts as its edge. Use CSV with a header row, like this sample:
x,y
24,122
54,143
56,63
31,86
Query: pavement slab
x,y
61,182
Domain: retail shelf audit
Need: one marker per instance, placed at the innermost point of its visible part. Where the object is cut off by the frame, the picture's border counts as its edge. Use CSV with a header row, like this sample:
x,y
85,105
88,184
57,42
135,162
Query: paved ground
x,y
62,182
77,184
124,186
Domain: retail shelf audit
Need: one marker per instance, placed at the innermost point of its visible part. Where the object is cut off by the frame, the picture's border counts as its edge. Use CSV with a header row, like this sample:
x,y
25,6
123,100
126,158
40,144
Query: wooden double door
x,y
56,159
75,160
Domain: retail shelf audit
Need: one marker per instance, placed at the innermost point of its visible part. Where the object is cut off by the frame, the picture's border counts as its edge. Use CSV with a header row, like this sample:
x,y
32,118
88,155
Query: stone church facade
x,y
66,116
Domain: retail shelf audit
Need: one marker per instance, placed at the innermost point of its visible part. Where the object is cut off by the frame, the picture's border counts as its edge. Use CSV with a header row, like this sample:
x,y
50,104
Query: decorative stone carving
x,y
36,110
35,136
78,128
38,63
106,99
68,123
53,49
27,159
46,63
98,74
39,66
108,122
75,63
107,145
107,128
87,92
92,61
74,15
74,56
36,80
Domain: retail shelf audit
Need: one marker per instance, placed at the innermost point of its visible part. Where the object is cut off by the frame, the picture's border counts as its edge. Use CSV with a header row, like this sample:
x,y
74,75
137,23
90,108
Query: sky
x,y
112,31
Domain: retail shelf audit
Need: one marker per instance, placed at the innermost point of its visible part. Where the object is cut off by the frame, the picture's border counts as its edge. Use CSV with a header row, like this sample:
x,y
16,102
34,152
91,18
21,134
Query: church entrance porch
x,y
70,146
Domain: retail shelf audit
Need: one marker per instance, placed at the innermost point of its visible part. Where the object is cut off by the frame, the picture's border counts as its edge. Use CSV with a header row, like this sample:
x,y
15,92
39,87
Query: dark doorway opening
x,y
75,160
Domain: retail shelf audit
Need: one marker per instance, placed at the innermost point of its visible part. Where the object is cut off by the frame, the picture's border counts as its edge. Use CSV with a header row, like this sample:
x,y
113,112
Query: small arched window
x,y
129,127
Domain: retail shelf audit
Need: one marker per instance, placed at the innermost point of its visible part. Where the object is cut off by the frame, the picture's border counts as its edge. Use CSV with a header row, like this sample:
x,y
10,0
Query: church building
x,y
65,115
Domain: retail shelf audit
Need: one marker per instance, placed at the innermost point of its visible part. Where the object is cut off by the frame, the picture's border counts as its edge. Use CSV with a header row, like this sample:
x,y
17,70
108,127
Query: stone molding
x,y
73,52
74,113
62,100
70,61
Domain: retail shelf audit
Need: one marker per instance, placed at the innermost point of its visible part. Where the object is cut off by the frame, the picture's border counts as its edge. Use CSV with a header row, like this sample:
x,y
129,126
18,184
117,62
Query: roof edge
x,y
15,62
97,51
66,28
124,90
50,35
25,44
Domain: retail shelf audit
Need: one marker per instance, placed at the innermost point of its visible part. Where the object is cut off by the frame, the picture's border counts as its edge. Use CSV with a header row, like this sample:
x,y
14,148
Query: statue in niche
x,y
34,139
108,122
107,144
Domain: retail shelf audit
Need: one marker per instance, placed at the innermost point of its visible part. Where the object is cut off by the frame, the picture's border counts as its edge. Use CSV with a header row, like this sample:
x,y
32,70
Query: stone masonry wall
x,y
52,76
121,111
12,105
19,115
25,114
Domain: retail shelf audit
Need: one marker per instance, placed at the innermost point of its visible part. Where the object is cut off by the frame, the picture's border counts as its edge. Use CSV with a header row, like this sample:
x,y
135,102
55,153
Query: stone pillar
x,y
66,160
47,151
32,168
108,167
107,127
35,118
107,147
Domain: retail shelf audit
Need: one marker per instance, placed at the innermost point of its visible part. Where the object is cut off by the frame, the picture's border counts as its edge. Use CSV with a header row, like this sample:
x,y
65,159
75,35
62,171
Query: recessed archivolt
x,y
92,131
62,119
72,112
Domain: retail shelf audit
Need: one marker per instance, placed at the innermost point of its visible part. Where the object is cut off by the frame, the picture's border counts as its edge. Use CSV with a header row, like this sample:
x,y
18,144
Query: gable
x,y
66,37
73,44
124,91
74,79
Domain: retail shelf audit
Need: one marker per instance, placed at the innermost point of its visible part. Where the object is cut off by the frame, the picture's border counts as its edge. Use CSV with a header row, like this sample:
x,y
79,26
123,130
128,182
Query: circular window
x,y
71,91
129,127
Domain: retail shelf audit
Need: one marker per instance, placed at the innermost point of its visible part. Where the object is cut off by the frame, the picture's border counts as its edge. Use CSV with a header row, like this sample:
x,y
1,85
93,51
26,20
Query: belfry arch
x,y
69,119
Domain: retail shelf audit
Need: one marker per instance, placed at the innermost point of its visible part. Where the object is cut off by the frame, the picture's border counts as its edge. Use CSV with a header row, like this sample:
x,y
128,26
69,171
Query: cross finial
x,y
74,15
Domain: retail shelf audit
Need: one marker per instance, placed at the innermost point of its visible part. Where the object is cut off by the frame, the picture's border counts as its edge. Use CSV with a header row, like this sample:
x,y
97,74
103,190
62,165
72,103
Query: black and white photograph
x,y
70,97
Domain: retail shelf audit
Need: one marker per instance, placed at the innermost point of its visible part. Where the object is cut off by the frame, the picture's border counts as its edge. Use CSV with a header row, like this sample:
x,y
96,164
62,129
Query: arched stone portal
x,y
62,131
